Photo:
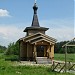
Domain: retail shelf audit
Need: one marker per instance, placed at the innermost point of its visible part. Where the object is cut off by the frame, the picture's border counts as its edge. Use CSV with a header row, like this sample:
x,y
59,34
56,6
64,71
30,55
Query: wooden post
x,y
19,50
48,52
35,53
52,52
53,66
65,59
27,51
45,51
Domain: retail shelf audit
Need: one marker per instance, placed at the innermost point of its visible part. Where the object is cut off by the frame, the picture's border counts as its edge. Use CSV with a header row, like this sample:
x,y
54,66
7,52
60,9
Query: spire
x,y
35,22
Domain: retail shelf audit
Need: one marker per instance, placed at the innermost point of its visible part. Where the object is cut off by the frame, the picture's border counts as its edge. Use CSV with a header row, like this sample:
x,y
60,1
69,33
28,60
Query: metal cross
x,y
35,1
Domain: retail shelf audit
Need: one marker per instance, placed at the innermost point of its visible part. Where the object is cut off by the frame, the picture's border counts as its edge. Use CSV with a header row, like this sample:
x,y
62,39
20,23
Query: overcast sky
x,y
15,15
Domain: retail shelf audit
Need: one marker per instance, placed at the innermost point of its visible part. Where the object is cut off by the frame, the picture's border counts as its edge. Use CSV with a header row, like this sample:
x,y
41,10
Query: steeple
x,y
35,22
35,27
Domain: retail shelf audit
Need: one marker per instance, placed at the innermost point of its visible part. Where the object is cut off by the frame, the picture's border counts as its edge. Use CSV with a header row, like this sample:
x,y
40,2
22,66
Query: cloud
x,y
4,13
61,29
62,34
10,34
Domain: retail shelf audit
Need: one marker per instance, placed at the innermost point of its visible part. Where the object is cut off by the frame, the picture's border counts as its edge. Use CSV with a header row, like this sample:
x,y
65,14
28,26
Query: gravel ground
x,y
30,63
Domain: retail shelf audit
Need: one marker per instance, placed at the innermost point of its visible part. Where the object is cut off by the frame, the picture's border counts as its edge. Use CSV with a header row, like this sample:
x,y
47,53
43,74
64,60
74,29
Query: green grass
x,y
7,68
28,70
61,57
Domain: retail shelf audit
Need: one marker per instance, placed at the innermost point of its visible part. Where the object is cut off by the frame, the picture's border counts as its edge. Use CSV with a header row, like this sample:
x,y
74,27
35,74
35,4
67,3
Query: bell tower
x,y
35,26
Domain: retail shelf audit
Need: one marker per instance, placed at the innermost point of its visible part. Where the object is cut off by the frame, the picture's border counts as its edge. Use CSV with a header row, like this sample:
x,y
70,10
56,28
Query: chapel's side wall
x,y
29,51
23,51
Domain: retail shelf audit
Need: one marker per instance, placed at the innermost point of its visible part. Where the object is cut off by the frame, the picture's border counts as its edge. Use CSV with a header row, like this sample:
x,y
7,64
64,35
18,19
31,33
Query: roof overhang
x,y
38,37
36,28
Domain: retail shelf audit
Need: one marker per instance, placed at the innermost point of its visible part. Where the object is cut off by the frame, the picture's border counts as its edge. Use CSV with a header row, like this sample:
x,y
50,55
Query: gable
x,y
39,37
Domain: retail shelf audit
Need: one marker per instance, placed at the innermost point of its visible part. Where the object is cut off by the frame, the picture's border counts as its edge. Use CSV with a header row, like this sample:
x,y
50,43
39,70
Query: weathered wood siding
x,y
23,50
31,32
29,50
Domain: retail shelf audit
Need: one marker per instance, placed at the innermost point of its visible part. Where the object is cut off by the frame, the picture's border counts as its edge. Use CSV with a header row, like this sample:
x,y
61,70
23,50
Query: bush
x,y
12,58
13,49
2,49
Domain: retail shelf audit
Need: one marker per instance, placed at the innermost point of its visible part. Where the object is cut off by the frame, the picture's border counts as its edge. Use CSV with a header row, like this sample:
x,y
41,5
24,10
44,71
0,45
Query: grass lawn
x,y
70,57
28,70
6,68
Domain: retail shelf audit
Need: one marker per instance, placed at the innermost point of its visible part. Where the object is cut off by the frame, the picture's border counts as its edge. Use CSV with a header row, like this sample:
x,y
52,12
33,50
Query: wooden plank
x,y
68,42
62,68
60,62
65,59
56,66
54,40
33,38
71,67
40,40
70,45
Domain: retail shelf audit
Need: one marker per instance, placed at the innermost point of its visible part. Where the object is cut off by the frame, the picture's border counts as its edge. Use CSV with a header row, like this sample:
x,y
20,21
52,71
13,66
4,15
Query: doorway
x,y
40,50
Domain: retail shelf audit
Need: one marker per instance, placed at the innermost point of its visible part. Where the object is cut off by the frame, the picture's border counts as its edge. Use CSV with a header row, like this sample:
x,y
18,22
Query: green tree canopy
x,y
59,49
13,49
2,49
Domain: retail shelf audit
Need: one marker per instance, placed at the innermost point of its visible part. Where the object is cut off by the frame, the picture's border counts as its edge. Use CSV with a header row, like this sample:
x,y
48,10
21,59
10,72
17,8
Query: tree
x,y
13,49
59,49
2,49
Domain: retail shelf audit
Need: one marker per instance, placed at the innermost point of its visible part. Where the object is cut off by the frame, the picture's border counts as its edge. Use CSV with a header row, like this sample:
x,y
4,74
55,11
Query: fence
x,y
60,66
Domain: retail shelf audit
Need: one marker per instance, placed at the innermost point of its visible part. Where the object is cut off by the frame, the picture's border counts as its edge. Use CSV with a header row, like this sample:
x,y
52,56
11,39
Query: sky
x,y
16,15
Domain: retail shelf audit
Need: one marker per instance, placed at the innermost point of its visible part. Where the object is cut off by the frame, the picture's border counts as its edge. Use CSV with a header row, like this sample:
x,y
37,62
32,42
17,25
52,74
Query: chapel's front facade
x,y
36,43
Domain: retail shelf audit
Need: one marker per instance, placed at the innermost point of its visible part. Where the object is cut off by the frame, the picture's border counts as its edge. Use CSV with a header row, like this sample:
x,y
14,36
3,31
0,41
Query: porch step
x,y
43,60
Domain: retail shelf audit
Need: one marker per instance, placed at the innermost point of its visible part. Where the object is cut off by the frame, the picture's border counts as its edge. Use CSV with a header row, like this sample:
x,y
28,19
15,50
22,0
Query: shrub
x,y
12,58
